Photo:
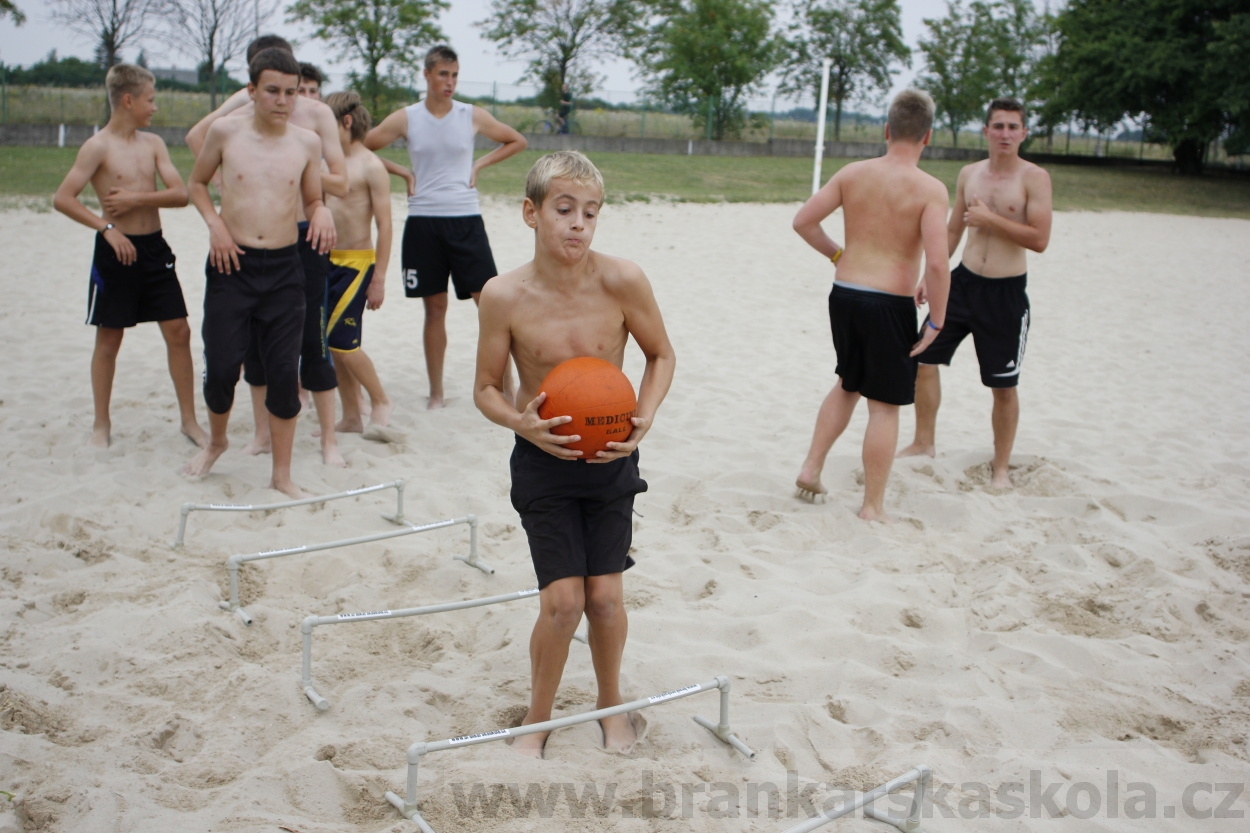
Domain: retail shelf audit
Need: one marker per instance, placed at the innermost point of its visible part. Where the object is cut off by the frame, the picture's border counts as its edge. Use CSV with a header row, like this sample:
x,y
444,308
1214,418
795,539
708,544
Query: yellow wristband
x,y
837,255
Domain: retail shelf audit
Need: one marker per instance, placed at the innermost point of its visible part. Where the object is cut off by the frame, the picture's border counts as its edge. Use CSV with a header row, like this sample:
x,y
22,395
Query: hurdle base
x,y
409,811
725,736
316,699
238,611
905,825
473,561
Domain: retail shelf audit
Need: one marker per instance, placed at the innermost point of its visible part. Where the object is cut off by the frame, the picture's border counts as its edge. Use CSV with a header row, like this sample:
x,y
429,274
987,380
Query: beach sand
x,y
1058,654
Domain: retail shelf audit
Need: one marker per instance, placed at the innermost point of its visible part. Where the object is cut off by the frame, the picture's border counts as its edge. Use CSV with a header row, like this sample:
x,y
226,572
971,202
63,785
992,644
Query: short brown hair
x,y
309,72
274,58
268,42
563,164
911,115
441,55
1010,105
348,104
126,78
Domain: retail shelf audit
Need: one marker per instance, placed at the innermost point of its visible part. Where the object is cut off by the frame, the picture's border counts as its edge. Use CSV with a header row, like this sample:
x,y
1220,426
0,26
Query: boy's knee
x,y
563,601
108,340
604,601
177,332
435,305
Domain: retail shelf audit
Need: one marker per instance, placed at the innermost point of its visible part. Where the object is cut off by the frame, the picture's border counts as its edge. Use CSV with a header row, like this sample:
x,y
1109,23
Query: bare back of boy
x,y
884,204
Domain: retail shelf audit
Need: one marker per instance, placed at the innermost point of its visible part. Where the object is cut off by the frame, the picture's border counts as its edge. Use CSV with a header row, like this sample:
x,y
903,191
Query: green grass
x,y
36,172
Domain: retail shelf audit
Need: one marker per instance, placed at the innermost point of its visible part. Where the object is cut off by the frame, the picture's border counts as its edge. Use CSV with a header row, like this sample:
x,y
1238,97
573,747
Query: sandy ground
x,y
1072,655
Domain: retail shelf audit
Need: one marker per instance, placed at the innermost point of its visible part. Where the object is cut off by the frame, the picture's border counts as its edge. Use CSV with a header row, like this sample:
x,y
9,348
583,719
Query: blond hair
x,y
348,104
563,164
911,115
126,78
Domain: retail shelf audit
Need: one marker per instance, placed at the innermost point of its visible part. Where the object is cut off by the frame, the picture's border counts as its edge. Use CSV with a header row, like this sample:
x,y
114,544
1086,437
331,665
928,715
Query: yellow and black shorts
x,y
350,273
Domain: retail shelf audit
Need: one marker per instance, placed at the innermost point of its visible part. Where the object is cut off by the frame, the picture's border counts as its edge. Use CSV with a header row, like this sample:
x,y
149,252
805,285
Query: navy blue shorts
x,y
147,290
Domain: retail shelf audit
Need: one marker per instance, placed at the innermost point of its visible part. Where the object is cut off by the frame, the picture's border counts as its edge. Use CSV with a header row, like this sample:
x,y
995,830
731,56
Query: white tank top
x,y
441,151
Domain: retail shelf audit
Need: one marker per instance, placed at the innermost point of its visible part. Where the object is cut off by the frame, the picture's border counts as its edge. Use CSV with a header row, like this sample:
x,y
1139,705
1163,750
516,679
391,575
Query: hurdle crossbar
x,y
188,508
235,561
408,805
919,776
310,622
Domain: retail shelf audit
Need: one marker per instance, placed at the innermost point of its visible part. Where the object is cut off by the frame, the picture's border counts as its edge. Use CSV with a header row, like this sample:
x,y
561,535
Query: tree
x,y
704,56
557,36
7,9
1173,62
214,32
958,72
862,38
112,24
396,32
1230,53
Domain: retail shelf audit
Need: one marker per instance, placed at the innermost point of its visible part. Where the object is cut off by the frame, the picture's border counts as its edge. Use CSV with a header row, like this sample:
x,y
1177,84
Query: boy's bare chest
x,y
552,333
263,164
1005,195
129,167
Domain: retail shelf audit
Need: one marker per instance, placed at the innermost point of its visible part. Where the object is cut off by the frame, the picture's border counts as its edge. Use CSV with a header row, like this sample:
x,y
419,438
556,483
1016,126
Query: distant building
x,y
182,76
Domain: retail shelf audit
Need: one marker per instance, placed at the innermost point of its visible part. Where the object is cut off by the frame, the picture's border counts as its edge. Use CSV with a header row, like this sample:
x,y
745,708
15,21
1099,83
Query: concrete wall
x,y
47,135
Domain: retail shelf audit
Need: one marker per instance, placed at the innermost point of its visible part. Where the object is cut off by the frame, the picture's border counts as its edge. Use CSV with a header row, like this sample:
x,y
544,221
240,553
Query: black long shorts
x,y
577,516
316,368
147,290
436,247
996,312
262,300
873,332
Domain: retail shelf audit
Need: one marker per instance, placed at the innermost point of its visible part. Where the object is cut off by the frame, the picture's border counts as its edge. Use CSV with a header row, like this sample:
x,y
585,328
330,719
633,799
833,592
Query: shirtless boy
x,y
894,213
444,234
255,286
357,270
570,301
1005,203
132,273
317,238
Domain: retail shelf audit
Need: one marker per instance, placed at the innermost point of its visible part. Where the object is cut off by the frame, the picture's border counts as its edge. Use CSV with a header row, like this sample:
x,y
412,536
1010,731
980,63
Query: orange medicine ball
x,y
597,395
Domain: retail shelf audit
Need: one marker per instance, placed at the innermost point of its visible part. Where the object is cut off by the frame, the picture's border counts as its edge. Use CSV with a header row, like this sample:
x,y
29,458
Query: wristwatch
x,y
107,226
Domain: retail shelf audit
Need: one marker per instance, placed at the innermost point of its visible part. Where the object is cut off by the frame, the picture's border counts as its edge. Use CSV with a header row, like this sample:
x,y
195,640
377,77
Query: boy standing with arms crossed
x,y
132,272
357,271
1005,203
894,214
570,301
255,281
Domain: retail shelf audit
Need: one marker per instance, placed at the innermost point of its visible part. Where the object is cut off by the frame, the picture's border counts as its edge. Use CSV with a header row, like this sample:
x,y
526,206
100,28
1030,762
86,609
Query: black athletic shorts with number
x,y
873,332
262,301
436,247
316,368
996,312
147,290
578,516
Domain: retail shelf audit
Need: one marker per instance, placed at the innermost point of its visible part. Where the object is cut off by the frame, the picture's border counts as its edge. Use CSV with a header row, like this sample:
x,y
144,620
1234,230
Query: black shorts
x,y
147,290
263,301
873,332
578,516
316,368
996,312
435,247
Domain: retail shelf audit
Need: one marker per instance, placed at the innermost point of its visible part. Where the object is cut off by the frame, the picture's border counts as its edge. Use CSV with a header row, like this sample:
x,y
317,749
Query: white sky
x,y
480,63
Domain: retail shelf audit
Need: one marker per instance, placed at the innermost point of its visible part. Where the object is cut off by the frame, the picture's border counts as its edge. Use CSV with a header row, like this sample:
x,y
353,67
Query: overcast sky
x,y
480,63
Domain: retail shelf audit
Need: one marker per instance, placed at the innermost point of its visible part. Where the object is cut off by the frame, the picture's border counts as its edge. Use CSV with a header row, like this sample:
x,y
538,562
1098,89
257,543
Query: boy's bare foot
x,y
917,450
259,445
193,432
433,402
811,491
1001,479
381,415
202,463
619,734
331,457
289,489
347,426
870,514
531,746
101,436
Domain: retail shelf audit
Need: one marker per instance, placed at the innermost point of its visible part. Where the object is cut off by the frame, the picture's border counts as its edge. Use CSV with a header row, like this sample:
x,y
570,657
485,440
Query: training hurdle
x,y
188,508
310,622
919,776
235,561
408,805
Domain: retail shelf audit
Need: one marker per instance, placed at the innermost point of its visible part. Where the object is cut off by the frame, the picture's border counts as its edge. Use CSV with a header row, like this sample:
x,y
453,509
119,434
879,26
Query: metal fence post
x,y
709,118
642,130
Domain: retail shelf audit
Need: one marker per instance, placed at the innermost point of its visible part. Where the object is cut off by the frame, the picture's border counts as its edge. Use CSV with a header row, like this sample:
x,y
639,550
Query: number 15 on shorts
x,y
410,278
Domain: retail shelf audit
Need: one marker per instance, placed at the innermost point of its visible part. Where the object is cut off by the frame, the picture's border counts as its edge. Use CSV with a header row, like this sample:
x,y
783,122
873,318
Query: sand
x,y
1058,654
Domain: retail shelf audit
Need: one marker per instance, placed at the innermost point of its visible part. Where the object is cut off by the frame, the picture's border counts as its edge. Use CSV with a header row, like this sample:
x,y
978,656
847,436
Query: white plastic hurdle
x,y
235,561
919,776
408,805
310,622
